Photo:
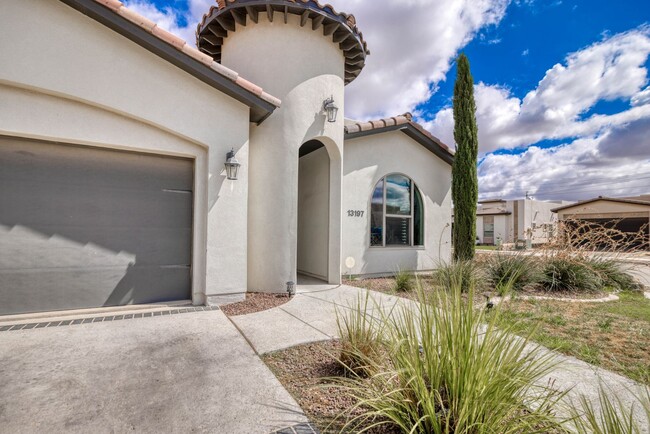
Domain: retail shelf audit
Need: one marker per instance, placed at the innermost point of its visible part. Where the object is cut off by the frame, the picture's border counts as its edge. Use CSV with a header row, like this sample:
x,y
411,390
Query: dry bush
x,y
575,235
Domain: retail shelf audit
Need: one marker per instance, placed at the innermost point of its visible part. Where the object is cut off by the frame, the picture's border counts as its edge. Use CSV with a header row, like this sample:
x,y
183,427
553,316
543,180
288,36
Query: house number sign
x,y
355,213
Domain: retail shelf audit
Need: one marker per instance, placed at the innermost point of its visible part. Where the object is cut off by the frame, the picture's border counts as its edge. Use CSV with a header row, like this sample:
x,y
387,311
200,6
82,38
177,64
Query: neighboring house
x,y
507,221
630,215
113,139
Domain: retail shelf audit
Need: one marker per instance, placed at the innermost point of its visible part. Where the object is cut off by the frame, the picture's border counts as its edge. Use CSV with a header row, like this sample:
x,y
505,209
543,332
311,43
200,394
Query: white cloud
x,y
169,18
608,70
584,168
413,43
641,98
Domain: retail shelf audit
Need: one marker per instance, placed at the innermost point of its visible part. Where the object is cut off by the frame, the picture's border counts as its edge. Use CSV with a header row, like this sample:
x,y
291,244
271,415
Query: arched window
x,y
397,213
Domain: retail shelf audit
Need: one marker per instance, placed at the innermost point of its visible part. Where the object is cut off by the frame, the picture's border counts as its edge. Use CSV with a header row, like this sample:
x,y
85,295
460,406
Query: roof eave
x,y
493,213
260,109
413,133
607,199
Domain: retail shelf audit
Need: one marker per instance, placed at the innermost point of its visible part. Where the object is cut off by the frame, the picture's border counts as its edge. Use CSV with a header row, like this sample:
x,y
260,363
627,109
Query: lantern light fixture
x,y
232,165
331,109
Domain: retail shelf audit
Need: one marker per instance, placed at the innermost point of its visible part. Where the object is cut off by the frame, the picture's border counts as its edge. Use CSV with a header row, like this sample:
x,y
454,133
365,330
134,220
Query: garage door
x,y
87,227
631,232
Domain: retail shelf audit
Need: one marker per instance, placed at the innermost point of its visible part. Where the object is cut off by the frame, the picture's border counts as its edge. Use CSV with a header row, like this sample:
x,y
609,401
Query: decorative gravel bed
x,y
255,302
306,371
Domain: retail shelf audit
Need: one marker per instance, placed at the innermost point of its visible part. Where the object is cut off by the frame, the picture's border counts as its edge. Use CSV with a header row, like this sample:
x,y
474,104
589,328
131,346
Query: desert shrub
x,y
613,274
403,281
610,415
572,273
460,274
448,369
508,273
580,235
360,337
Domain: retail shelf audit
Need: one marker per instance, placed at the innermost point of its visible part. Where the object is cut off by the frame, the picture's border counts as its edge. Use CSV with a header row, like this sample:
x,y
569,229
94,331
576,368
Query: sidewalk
x,y
310,317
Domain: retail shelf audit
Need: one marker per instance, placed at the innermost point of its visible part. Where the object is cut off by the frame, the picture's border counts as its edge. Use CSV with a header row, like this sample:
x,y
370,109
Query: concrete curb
x,y
611,297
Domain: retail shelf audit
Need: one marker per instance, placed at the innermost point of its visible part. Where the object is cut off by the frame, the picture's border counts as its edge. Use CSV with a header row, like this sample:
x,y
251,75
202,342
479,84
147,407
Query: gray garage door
x,y
86,227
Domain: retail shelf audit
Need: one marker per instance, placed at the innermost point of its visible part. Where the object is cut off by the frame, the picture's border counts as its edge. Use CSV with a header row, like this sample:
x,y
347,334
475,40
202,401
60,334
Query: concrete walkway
x,y
310,317
187,371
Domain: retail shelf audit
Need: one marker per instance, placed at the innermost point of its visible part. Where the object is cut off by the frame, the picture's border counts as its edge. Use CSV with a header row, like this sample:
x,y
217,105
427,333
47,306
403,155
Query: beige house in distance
x,y
507,221
136,168
628,214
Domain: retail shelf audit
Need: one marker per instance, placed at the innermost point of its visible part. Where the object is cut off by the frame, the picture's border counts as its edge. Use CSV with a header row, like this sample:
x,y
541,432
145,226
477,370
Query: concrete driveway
x,y
188,372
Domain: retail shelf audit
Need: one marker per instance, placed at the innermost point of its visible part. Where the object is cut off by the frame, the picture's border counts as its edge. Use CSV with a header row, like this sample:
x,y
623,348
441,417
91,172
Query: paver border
x,y
104,318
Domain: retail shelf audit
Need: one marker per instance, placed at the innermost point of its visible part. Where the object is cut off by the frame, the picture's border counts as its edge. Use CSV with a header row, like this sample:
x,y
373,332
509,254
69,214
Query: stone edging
x,y
610,297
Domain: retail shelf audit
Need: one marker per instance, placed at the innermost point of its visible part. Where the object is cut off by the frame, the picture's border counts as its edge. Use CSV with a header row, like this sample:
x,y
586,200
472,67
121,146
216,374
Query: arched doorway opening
x,y
313,212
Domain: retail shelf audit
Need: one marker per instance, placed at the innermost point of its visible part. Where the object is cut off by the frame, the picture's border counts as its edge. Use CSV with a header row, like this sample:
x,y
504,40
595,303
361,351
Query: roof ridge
x,y
405,119
396,120
181,45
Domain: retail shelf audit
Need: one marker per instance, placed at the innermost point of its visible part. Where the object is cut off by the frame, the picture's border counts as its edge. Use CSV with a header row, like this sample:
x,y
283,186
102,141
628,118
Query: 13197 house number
x,y
355,213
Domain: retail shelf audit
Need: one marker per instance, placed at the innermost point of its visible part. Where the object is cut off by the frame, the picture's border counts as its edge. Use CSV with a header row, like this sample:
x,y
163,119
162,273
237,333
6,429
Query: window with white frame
x,y
397,213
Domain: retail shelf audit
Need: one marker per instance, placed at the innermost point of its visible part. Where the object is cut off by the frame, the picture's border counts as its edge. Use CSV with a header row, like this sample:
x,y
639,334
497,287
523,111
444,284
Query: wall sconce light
x,y
331,109
232,165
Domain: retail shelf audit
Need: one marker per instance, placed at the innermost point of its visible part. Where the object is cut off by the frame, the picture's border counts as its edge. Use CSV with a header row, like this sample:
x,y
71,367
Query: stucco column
x,y
302,68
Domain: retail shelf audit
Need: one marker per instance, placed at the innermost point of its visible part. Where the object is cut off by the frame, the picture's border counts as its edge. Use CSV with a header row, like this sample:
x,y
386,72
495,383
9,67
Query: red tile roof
x,y
394,123
226,15
178,43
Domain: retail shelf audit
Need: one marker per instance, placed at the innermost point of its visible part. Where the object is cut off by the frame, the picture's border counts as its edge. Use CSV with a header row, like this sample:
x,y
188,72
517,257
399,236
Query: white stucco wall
x,y
479,229
83,83
302,68
538,214
367,160
501,228
313,214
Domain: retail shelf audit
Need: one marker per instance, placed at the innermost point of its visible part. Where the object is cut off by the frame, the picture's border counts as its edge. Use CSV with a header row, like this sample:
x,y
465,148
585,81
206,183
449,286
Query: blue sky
x,y
534,36
561,86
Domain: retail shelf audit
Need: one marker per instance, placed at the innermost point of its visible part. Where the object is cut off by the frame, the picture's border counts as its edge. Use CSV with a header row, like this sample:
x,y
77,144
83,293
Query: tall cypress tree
x,y
464,186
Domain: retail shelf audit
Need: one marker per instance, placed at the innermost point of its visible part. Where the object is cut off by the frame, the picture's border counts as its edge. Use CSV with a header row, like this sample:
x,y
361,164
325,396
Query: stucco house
x,y
114,139
508,221
629,215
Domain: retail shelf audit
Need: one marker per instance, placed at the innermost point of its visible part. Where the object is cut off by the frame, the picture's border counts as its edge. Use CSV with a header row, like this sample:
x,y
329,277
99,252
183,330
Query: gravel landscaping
x,y
306,372
255,302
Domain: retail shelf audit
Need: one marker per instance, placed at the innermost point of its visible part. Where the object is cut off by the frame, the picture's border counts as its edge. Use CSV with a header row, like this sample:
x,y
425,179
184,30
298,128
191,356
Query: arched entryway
x,y
313,211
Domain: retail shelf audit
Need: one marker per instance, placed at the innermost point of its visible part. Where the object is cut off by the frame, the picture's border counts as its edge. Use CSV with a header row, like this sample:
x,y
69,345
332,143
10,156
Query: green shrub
x,y
403,281
360,337
507,273
610,415
613,274
569,273
448,369
465,275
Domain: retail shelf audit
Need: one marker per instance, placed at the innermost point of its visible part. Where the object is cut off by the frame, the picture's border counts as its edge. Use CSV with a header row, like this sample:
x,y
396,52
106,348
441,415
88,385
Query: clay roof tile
x,y
405,119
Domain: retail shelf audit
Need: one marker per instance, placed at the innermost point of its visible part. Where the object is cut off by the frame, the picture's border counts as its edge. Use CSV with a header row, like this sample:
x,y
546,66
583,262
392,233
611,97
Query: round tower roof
x,y
227,14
